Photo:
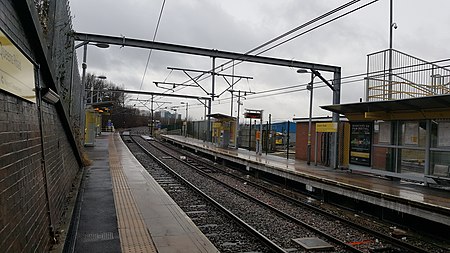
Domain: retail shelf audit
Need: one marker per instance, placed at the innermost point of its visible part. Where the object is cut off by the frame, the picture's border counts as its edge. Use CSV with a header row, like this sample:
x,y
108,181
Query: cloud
x,y
238,26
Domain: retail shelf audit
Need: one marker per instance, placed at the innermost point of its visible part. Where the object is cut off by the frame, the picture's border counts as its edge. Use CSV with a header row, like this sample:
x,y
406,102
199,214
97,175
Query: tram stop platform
x,y
121,208
398,196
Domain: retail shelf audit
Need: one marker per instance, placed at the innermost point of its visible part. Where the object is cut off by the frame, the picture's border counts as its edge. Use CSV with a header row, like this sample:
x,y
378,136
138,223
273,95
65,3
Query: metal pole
x,y
250,136
152,117
315,148
213,83
43,154
84,66
209,134
71,79
336,101
288,139
390,49
267,137
238,118
84,98
308,148
213,77
232,87
270,132
186,127
260,134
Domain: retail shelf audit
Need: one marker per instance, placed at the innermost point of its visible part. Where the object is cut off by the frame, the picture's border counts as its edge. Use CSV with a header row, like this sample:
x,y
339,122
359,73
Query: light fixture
x,y
50,96
302,71
101,45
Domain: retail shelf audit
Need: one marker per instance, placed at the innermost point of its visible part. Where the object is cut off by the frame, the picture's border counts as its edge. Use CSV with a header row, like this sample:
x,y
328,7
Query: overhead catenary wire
x,y
278,38
292,31
283,90
302,87
153,40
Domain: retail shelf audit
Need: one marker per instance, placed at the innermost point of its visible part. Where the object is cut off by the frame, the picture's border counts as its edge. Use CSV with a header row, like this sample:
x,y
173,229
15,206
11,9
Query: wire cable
x,y
312,21
153,40
284,90
292,31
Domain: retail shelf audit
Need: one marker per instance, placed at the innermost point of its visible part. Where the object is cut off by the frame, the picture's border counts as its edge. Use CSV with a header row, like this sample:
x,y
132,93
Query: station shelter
x,y
223,130
93,121
402,130
322,129
406,138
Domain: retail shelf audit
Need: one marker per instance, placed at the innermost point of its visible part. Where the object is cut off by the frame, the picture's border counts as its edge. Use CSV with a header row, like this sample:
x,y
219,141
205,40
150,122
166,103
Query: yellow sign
x,y
360,154
16,71
326,127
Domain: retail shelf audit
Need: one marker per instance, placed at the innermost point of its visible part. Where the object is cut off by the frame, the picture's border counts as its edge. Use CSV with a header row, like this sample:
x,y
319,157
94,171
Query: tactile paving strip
x,y
134,236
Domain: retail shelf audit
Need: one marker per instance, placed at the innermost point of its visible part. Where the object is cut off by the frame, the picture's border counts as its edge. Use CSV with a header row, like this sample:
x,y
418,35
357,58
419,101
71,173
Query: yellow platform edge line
x,y
133,233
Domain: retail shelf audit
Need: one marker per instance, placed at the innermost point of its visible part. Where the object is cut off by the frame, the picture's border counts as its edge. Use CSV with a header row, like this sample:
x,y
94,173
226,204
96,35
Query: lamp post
x,y
83,87
310,88
392,26
186,127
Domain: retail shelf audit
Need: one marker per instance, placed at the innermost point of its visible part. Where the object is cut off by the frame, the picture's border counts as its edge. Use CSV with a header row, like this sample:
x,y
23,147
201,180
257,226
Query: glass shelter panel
x,y
440,134
412,161
413,133
382,132
440,163
383,159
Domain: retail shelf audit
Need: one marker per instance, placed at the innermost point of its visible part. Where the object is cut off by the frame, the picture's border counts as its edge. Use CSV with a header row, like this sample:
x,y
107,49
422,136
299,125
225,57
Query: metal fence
x,y
406,77
56,22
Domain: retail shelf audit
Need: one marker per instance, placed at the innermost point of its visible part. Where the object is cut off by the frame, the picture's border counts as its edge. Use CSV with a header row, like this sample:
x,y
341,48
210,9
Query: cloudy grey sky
x,y
240,25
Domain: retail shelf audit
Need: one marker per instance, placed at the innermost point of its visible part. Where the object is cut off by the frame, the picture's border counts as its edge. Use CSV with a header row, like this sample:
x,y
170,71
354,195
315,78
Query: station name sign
x,y
16,71
326,127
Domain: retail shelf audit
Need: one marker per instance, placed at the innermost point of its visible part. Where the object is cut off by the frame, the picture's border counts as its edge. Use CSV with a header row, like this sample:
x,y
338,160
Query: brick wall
x,y
24,221
301,141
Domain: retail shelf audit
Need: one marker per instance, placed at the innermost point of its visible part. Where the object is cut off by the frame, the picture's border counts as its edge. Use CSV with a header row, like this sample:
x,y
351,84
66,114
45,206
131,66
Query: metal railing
x,y
408,77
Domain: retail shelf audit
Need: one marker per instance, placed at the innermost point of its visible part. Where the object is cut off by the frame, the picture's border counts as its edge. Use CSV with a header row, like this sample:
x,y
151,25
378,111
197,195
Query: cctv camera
x,y
394,25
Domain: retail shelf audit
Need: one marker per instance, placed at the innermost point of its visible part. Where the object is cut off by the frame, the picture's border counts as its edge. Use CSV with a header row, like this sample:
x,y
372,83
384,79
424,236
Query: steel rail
x,y
279,212
273,246
386,237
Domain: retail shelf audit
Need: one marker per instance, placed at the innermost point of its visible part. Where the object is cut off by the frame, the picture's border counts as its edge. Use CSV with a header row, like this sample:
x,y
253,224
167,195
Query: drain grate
x,y
104,236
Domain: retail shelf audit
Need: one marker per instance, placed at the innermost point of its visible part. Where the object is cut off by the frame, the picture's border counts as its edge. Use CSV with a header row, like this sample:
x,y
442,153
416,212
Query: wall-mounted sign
x,y
16,71
360,143
326,127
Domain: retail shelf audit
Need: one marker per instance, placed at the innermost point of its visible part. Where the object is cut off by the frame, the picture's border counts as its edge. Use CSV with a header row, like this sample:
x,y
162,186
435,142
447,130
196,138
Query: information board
x,y
360,143
16,71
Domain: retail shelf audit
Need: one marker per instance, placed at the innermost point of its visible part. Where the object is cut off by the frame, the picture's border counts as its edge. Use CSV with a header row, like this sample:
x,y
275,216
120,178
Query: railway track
x,y
343,235
289,233
226,231
363,237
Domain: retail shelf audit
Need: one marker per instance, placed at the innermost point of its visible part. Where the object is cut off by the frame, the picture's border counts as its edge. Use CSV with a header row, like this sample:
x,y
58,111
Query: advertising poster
x,y
360,143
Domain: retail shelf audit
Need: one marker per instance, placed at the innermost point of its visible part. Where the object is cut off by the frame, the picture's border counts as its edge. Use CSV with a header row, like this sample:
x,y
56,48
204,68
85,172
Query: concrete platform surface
x,y
407,197
123,209
170,228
